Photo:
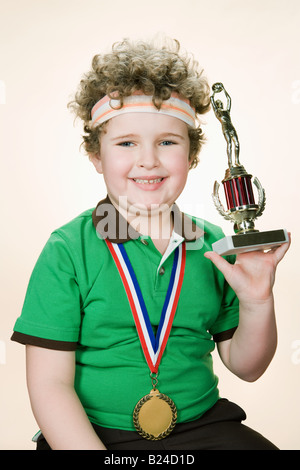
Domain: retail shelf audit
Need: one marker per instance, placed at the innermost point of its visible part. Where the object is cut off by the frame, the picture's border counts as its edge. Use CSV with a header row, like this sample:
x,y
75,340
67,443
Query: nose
x,y
148,158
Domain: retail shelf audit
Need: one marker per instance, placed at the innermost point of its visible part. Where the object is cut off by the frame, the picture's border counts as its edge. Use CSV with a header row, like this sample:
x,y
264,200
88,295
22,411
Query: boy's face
x,y
145,159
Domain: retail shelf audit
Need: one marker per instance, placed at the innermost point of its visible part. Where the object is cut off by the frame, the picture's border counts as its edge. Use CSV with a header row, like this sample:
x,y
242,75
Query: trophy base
x,y
252,241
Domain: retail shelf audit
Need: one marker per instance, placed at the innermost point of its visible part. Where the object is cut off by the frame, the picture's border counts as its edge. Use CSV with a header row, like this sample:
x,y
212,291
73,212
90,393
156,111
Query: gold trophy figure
x,y
225,120
241,207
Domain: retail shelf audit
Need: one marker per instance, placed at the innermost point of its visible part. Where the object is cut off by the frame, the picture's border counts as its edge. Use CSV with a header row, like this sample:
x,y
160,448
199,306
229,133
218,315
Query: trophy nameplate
x,y
242,209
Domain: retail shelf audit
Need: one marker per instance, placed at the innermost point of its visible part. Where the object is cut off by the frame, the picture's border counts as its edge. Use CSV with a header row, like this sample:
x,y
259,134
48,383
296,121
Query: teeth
x,y
137,180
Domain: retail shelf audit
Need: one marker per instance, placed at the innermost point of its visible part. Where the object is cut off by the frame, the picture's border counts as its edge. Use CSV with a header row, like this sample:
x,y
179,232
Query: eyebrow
x,y
171,134
127,136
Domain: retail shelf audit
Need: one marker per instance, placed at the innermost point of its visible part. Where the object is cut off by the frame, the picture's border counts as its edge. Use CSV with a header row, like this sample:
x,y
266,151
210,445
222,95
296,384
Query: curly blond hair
x,y
141,66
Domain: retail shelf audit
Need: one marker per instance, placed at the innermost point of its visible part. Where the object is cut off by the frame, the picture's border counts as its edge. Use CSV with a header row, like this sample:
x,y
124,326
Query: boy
x,y
132,286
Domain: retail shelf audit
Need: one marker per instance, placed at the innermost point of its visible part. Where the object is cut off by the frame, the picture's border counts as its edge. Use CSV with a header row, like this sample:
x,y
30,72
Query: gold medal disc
x,y
155,416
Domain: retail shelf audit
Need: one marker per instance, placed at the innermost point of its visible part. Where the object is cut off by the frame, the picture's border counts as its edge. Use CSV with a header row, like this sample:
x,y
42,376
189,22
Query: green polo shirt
x,y
76,301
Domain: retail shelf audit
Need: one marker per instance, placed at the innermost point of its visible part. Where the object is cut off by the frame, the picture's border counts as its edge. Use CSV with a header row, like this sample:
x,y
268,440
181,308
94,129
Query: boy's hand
x,y
249,352
253,274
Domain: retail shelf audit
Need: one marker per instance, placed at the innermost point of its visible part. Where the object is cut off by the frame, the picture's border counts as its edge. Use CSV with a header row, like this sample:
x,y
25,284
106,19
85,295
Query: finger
x,y
219,262
281,250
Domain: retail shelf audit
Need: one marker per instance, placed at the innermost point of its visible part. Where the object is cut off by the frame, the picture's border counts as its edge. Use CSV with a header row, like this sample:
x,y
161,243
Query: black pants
x,y
220,428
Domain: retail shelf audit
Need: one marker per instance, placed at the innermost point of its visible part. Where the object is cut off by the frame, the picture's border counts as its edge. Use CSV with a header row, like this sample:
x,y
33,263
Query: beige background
x,y
252,46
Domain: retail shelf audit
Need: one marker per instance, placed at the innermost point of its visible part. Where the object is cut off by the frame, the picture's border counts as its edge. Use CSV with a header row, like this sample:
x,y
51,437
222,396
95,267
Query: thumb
x,y
219,262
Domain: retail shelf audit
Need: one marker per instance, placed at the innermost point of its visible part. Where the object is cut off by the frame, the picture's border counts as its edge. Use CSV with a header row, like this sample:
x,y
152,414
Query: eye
x,y
126,144
167,142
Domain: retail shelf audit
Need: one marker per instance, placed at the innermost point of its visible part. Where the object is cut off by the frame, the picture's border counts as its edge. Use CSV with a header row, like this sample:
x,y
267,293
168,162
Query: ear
x,y
191,162
96,160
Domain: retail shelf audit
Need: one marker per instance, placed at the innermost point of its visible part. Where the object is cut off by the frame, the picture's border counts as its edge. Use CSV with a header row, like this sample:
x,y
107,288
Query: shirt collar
x,y
110,224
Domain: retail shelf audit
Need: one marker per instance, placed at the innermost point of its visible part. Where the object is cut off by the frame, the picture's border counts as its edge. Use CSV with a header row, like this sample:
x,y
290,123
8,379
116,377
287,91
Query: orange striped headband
x,y
175,106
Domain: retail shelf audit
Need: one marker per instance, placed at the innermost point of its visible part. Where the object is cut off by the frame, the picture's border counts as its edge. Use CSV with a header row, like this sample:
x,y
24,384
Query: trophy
x,y
242,209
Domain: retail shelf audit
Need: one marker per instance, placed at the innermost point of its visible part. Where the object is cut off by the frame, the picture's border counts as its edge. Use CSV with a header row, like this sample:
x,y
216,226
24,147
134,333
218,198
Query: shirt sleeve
x,y
228,318
51,313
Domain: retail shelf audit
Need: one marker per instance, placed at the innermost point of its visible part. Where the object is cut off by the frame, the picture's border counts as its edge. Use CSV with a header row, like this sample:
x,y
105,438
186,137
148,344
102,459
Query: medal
x,y
155,414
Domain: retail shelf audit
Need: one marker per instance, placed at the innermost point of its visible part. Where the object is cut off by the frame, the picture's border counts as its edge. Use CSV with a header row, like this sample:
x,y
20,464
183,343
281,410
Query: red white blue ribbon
x,y
153,346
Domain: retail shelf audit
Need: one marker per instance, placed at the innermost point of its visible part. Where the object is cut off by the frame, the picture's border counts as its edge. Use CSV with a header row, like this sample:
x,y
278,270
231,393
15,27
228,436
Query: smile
x,y
142,181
